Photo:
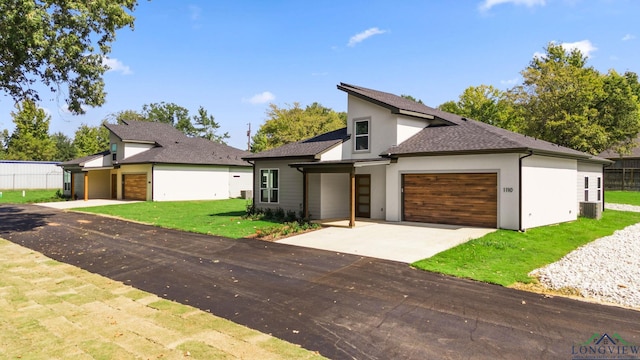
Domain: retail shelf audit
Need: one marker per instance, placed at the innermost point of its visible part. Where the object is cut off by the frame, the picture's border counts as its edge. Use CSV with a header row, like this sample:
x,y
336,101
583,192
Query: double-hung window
x,y
114,152
586,188
269,185
361,135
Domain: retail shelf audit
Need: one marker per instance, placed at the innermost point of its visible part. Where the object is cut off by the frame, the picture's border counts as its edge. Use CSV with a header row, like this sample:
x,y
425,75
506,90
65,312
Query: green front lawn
x,y
215,217
623,197
506,257
30,196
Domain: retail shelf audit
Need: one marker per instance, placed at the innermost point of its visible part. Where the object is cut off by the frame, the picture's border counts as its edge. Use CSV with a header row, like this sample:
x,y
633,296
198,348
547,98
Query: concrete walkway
x,y
403,242
72,204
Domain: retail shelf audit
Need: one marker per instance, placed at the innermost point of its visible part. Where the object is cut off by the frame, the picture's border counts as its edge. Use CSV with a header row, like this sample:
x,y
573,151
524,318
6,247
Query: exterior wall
x,y
334,196
104,161
240,179
188,182
131,149
20,175
593,172
315,201
505,165
334,154
378,188
99,184
135,169
78,186
290,192
548,191
382,128
408,127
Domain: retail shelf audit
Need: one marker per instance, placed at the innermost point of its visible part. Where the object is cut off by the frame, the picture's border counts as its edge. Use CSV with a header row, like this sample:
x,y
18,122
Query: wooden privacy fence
x,y
622,179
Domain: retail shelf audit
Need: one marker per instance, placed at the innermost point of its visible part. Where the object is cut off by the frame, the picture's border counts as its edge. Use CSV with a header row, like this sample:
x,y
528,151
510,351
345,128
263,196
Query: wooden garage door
x,y
135,186
457,199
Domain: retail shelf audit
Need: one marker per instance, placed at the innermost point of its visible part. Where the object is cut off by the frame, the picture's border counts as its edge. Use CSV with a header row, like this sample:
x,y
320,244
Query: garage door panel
x,y
135,186
458,199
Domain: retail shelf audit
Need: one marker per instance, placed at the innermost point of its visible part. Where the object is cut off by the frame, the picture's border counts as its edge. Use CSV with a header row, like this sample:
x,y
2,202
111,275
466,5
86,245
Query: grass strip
x,y
506,257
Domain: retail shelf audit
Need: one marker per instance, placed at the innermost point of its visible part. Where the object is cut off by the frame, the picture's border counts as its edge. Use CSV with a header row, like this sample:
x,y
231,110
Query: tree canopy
x,y
89,140
30,139
56,43
561,100
286,125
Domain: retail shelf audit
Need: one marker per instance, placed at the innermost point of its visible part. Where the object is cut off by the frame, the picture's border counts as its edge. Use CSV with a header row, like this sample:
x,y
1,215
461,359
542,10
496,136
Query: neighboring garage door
x,y
456,199
135,186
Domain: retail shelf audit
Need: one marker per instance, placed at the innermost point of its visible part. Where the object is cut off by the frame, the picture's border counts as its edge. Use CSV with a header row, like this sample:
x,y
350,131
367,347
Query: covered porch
x,y
359,185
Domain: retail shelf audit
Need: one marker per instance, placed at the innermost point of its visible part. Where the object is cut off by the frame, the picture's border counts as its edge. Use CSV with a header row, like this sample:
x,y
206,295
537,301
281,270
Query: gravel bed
x,y
607,269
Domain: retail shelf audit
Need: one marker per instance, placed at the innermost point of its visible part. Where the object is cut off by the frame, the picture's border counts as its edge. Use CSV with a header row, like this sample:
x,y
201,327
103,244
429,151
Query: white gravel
x,y
607,269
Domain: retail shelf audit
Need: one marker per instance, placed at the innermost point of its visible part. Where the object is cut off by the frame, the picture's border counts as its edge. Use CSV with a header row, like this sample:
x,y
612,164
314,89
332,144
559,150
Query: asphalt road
x,y
343,306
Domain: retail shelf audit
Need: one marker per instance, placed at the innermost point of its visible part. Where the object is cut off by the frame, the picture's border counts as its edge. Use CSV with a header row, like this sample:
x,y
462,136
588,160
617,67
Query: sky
x,y
236,57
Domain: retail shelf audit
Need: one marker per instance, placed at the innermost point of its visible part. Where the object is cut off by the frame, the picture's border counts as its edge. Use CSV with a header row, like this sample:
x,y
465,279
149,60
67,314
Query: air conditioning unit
x,y
246,194
592,210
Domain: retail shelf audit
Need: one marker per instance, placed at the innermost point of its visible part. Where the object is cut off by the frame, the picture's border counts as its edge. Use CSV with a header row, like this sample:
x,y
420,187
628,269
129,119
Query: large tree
x,y
206,127
57,43
487,104
64,147
90,140
30,139
286,125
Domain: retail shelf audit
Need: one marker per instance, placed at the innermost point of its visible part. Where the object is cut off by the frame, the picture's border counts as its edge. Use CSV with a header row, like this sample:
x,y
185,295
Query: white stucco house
x,y
401,161
155,162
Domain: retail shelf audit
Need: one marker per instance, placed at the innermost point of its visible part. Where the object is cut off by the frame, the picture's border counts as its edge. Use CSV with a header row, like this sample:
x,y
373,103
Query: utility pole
x,y
249,138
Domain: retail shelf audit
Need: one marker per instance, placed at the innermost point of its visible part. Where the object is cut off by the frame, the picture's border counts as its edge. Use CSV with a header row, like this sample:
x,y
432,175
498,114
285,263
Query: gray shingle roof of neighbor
x,y
174,147
304,148
614,155
81,161
455,134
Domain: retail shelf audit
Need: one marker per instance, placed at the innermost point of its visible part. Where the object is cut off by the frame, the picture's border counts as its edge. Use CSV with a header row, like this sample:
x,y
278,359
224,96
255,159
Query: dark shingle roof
x,y
81,161
614,155
305,148
173,147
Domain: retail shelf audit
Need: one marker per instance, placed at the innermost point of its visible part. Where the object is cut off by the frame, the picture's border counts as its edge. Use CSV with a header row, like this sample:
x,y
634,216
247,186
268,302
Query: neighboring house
x,y
624,173
398,160
22,175
156,162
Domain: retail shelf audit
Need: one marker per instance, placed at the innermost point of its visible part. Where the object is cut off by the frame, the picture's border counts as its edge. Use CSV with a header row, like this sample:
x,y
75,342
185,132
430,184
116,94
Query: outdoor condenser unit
x,y
592,210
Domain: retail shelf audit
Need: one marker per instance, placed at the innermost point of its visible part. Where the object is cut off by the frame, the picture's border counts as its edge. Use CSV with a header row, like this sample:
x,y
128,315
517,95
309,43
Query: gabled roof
x,y
614,155
145,132
305,148
83,160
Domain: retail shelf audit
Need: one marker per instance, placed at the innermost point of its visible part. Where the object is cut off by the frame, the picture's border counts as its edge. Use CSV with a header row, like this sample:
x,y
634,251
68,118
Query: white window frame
x,y
268,186
356,135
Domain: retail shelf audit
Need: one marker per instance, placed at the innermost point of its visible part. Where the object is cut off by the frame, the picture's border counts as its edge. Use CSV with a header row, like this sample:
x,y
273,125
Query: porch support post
x,y
306,195
352,198
86,186
73,185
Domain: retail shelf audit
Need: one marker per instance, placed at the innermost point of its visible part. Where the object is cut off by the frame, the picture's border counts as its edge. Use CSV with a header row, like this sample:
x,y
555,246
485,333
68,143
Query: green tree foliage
x,y
30,139
409,97
4,139
561,100
90,140
125,115
487,104
58,42
170,113
206,127
286,125
64,147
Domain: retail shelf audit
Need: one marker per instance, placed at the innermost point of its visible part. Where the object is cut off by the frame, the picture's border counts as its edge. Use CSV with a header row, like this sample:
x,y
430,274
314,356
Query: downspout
x,y
153,183
520,189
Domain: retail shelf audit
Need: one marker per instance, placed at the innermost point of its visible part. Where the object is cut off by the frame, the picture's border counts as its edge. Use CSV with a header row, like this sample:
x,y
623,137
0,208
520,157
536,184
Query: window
x,y
361,130
114,151
586,188
599,189
66,177
269,185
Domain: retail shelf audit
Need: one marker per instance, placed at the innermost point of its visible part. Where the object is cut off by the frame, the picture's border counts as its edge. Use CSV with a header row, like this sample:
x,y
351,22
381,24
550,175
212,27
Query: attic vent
x,y
464,119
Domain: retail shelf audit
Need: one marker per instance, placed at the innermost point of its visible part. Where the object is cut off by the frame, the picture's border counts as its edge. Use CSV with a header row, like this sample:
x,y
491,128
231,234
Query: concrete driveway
x,y
73,204
403,242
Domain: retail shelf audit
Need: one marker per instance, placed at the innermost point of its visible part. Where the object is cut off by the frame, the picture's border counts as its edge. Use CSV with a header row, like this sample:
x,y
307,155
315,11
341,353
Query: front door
x,y
363,196
114,186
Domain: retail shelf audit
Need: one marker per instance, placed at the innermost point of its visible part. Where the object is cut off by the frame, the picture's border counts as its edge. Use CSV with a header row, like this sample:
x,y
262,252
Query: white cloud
x,y
509,82
364,35
585,47
116,65
628,37
488,4
262,98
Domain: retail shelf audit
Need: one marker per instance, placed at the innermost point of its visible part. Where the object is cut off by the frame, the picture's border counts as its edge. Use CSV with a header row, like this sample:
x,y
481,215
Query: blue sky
x,y
235,57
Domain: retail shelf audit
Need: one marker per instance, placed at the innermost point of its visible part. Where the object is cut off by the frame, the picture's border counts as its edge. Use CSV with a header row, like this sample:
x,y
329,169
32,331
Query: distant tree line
x,y
30,140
